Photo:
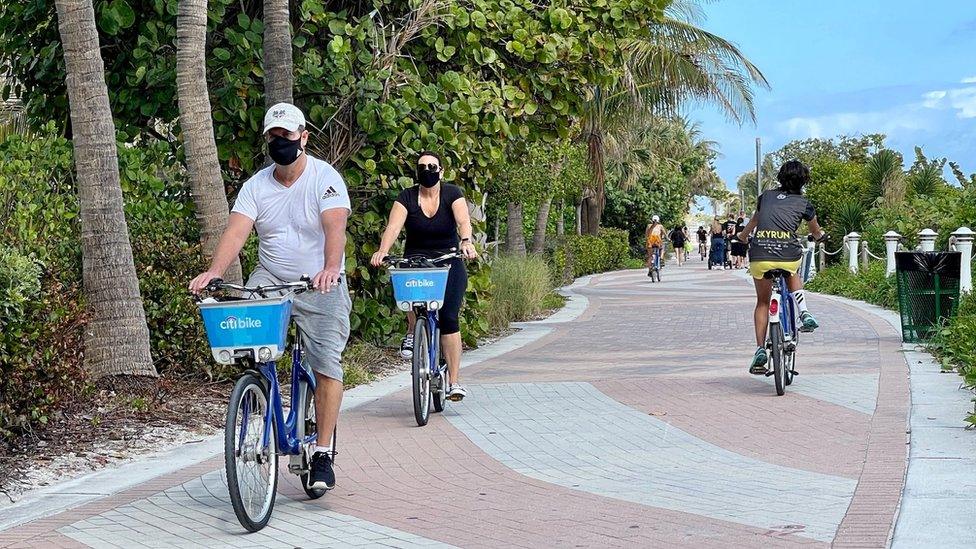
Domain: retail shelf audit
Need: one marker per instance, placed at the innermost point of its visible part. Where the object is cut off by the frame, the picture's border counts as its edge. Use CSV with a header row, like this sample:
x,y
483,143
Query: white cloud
x,y
969,80
891,121
962,100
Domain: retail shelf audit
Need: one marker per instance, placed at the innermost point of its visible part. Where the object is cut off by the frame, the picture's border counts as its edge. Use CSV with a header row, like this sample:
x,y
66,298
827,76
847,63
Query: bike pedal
x,y
794,372
769,373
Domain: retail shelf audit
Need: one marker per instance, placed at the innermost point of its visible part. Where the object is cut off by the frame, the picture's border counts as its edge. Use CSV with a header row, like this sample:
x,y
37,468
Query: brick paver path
x,y
636,424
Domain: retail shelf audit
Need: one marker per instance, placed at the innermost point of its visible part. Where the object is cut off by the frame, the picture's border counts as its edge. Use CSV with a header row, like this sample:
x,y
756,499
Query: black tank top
x,y
430,235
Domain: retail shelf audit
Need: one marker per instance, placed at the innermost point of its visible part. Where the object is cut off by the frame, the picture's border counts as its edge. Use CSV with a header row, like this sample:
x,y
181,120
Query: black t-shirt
x,y
677,237
728,228
430,235
778,216
702,234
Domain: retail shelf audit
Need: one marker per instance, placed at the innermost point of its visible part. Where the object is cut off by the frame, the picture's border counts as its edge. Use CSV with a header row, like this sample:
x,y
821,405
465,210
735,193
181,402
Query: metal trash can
x,y
928,292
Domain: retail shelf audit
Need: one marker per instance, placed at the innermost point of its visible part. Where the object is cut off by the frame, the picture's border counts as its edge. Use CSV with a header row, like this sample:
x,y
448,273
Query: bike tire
x,y
439,396
657,273
251,390
310,427
777,356
420,373
791,357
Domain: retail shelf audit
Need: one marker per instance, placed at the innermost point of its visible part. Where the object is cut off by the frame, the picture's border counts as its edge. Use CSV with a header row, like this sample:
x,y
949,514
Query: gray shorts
x,y
323,319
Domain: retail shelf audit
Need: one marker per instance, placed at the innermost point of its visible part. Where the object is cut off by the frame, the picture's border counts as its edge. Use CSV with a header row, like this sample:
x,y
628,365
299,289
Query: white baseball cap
x,y
284,115
655,218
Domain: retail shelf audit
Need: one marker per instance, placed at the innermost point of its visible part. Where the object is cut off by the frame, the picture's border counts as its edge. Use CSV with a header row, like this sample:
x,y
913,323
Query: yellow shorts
x,y
758,268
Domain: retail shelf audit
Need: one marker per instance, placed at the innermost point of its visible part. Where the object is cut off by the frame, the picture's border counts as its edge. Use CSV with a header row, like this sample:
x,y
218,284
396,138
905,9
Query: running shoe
x,y
323,477
758,366
809,323
457,393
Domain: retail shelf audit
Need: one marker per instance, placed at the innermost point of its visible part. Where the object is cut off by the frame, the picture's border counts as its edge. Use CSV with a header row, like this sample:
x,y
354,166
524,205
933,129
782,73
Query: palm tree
x,y
278,69
116,337
886,180
206,181
676,63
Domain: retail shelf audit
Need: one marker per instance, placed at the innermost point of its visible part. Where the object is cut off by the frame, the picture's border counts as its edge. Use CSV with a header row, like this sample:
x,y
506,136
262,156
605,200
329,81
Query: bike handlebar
x,y
218,284
419,261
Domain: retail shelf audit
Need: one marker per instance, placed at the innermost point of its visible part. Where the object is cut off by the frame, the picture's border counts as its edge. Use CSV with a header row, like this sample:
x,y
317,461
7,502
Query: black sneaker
x,y
406,346
322,475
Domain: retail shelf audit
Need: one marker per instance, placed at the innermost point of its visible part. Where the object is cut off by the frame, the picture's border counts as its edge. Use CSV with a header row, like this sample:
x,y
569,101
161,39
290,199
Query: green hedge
x,y
579,255
870,285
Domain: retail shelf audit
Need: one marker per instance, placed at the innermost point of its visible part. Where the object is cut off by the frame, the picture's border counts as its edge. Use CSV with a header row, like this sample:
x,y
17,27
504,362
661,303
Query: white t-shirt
x,y
291,240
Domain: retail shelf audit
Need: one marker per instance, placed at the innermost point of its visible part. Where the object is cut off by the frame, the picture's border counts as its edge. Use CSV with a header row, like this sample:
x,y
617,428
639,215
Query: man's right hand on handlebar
x,y
199,283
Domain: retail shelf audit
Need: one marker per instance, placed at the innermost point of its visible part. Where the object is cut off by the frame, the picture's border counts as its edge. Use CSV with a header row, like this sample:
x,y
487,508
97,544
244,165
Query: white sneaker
x,y
406,346
457,393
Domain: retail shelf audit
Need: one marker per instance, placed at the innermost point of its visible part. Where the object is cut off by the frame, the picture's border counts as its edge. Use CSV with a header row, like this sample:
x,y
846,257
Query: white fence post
x,y
853,240
926,240
891,239
811,259
964,244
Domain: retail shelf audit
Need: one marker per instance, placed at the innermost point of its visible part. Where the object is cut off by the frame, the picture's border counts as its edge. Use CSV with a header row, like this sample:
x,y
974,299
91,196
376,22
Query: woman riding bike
x,y
778,215
654,236
434,213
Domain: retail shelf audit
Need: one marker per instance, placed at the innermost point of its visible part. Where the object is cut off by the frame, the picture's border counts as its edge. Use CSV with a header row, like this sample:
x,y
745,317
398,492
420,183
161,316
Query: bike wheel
x,y
252,471
657,273
421,373
310,427
791,357
778,358
439,391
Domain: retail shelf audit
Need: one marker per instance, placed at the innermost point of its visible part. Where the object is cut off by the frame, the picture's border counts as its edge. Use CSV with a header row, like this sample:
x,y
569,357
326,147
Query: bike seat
x,y
776,273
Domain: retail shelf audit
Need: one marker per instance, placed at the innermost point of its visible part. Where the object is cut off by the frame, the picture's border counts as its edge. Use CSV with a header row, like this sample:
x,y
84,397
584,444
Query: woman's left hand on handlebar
x,y
377,259
468,250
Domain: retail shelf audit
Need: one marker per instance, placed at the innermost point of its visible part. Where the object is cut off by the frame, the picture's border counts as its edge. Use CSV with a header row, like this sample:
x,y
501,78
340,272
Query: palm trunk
x,y
541,222
116,337
515,235
593,205
560,217
206,181
278,69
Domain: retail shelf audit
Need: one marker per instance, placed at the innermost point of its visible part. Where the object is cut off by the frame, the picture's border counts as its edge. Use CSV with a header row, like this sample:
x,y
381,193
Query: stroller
x,y
719,254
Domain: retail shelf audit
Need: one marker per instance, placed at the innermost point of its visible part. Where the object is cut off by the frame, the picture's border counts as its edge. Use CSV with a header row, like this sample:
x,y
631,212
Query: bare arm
x,y
463,218
235,235
815,229
747,230
398,216
334,225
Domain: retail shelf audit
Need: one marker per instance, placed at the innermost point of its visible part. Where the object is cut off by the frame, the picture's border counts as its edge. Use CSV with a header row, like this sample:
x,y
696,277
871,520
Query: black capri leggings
x,y
457,283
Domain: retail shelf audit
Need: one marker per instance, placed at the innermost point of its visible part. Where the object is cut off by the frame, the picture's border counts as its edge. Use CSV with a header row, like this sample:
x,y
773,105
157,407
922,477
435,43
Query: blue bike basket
x,y
419,286
247,325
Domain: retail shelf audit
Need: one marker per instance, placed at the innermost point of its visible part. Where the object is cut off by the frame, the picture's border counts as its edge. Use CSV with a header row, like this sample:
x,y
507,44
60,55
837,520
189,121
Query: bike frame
x,y
657,257
785,308
286,428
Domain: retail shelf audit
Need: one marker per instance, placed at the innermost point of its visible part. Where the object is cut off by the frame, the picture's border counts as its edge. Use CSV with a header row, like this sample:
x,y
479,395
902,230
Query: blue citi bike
x,y
419,285
252,334
782,334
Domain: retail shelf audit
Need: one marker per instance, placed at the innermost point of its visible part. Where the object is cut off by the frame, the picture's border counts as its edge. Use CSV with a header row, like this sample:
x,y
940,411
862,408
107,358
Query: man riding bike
x,y
654,235
299,206
775,245
702,240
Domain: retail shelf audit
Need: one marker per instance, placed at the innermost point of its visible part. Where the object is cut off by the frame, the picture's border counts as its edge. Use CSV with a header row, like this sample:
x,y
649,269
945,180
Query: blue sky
x,y
903,68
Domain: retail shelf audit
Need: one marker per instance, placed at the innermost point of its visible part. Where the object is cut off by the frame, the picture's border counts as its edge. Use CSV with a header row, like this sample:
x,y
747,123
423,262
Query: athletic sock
x,y
801,301
323,449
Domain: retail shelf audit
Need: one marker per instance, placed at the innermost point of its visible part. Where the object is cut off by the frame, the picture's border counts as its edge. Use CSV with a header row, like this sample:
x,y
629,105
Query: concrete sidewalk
x,y
628,419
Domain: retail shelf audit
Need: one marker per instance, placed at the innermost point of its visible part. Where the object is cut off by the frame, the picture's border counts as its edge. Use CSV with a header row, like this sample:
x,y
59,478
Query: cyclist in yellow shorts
x,y
655,239
774,245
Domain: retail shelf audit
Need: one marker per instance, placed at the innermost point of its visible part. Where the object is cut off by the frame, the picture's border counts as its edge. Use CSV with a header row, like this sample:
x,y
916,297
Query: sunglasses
x,y
431,167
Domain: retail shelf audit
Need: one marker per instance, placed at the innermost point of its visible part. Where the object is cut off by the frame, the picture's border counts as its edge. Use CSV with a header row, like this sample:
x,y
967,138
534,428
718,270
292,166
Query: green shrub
x,y
40,342
520,287
618,248
955,344
870,285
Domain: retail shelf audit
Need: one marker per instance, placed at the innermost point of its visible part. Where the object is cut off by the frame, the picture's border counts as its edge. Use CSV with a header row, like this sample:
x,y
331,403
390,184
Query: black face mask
x,y
284,151
428,178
